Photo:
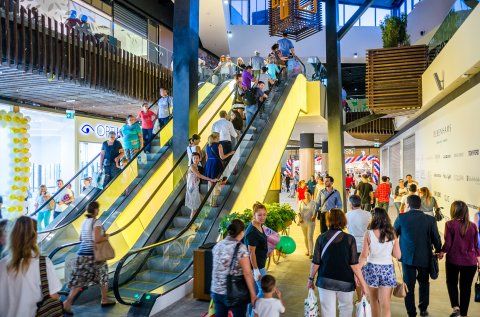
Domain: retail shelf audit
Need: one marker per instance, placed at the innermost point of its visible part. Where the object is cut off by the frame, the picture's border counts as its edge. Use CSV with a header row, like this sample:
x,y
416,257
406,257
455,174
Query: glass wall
x,y
407,6
255,12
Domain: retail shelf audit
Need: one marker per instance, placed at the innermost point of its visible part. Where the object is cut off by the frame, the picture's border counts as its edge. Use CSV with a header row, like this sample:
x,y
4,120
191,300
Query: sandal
x,y
68,312
109,303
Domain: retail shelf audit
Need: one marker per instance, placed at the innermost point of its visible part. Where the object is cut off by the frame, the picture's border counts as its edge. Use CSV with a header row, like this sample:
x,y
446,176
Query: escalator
x,y
136,180
165,264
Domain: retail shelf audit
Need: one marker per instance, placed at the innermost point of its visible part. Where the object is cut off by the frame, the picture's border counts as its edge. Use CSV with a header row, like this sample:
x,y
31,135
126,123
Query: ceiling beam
x,y
354,18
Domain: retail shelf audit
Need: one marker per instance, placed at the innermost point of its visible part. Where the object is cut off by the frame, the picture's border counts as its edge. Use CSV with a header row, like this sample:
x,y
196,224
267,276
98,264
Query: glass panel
x,y
349,11
368,18
381,15
131,41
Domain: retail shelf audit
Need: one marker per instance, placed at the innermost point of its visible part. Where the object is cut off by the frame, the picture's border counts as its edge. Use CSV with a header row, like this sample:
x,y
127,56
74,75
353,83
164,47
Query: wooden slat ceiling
x,y
393,79
36,89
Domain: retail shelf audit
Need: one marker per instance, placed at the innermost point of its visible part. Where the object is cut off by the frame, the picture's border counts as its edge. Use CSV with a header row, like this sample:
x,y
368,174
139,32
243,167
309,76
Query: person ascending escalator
x,y
112,152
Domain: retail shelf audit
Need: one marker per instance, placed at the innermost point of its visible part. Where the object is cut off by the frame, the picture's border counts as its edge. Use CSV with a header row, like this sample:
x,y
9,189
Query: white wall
x,y
447,152
248,38
426,15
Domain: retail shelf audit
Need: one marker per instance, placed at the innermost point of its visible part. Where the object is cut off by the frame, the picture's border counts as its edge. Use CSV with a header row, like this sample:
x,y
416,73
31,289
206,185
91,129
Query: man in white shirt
x,y
357,223
164,104
62,199
226,130
412,190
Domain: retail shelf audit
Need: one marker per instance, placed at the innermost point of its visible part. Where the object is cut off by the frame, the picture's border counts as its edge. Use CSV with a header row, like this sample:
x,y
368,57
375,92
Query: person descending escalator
x,y
110,155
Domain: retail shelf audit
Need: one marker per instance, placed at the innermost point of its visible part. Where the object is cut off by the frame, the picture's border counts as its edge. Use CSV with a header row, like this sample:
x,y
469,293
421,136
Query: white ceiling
x,y
319,126
213,26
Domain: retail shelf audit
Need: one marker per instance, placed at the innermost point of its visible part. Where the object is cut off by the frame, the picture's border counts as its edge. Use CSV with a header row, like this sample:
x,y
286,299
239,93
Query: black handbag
x,y
477,288
237,290
433,270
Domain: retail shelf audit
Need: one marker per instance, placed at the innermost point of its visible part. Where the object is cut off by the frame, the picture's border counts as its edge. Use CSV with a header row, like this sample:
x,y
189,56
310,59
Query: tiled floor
x,y
292,274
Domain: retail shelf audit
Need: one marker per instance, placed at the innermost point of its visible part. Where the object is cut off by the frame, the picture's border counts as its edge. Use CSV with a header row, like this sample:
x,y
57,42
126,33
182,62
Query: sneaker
x,y
424,313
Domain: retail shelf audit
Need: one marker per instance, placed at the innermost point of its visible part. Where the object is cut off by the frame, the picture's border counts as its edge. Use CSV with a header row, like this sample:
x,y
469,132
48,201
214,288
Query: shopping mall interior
x,y
306,90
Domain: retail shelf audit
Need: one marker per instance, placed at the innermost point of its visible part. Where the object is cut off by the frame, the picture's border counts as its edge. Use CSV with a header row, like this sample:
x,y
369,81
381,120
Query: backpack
x,y
250,98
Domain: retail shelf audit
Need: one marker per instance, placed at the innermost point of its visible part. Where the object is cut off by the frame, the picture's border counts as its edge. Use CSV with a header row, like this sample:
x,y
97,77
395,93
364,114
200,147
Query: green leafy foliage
x,y
279,216
394,31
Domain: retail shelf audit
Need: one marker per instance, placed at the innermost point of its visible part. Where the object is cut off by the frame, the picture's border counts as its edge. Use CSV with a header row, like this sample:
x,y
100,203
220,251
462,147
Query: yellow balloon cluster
x,y
19,149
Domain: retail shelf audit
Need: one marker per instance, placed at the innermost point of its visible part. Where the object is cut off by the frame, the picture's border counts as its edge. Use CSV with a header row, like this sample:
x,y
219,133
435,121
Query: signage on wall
x,y
101,131
70,114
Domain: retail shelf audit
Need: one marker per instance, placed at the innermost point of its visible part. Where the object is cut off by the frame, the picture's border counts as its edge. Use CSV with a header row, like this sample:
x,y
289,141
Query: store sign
x,y
101,131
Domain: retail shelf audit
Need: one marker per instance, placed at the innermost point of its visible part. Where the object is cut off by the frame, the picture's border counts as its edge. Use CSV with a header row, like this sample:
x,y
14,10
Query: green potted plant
x,y
394,31
279,217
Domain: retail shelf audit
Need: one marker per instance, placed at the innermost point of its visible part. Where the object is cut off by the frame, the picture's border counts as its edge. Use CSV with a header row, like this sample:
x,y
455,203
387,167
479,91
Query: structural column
x,y
307,160
334,102
324,161
185,73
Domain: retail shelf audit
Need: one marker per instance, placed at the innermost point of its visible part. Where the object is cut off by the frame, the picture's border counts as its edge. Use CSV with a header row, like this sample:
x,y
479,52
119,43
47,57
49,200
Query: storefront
x,y
59,148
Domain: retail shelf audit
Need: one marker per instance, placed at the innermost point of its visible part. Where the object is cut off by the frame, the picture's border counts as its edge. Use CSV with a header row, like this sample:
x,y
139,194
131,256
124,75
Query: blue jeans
x,y
397,205
43,219
163,121
147,136
259,291
250,112
221,309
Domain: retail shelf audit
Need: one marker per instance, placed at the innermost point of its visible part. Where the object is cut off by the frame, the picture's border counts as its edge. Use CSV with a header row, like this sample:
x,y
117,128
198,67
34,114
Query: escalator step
x,y
185,211
179,250
154,276
172,232
181,221
168,264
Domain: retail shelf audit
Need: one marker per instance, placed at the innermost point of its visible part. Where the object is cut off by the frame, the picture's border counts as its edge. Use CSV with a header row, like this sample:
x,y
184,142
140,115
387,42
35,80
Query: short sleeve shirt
x,y
86,236
257,239
301,192
111,151
335,273
269,307
164,105
147,119
131,139
284,45
222,258
364,189
273,70
247,79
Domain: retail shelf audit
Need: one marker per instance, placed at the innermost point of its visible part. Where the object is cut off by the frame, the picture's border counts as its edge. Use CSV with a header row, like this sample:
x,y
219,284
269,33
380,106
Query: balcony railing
x,y
38,44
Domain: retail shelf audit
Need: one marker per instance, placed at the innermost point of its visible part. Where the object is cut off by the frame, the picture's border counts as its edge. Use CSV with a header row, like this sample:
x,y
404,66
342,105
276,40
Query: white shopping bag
x,y
363,308
311,305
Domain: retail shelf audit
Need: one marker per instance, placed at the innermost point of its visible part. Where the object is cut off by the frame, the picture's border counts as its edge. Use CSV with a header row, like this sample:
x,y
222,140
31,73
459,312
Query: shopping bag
x,y
156,127
311,305
100,180
363,308
272,239
211,310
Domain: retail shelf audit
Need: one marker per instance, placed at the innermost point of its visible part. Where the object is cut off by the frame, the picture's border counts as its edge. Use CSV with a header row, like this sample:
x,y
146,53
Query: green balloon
x,y
286,245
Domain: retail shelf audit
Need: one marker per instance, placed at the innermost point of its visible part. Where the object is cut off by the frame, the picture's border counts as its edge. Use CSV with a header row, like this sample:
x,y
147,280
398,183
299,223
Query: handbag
x,y
477,288
438,214
310,305
433,269
48,306
401,288
237,290
103,250
363,308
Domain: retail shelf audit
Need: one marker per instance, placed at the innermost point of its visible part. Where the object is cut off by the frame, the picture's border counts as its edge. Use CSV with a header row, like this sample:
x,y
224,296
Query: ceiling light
x,y
355,55
225,1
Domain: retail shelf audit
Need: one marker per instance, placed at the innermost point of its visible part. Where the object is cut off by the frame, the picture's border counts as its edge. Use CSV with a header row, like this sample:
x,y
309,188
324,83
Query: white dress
x,y
193,199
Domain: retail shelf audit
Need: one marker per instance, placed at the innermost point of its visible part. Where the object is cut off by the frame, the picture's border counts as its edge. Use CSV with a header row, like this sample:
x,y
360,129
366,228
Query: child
x,y
217,190
272,70
269,306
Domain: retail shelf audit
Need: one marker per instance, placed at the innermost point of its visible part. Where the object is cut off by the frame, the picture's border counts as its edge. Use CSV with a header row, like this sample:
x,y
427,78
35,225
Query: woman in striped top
x,y
87,272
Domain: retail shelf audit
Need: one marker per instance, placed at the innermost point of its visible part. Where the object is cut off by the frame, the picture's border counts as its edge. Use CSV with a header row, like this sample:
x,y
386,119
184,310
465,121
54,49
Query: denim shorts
x,y
378,275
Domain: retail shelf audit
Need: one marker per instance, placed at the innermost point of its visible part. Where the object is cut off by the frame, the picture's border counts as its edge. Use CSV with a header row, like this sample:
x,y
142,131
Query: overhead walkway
x,y
136,182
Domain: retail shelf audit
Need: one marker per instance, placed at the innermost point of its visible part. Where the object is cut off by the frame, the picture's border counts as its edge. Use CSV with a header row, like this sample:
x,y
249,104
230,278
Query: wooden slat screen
x,y
393,79
34,43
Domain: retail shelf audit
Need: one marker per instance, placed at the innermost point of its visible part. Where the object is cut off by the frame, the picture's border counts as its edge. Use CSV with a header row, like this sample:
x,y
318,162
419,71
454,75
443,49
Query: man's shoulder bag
x,y
323,203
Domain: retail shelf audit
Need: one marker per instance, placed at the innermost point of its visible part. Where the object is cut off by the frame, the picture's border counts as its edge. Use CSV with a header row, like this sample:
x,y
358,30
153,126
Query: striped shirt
x,y
87,235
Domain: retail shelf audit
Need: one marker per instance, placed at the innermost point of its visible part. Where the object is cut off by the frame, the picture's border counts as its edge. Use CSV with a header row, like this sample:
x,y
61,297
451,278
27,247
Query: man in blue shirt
x,y
327,199
286,46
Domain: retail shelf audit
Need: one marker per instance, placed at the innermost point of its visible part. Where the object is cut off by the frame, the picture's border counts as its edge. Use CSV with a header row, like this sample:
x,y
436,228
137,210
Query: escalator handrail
x,y
56,250
303,65
178,235
81,170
